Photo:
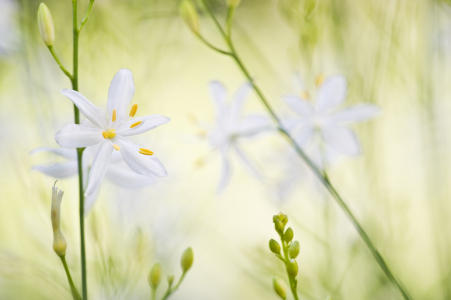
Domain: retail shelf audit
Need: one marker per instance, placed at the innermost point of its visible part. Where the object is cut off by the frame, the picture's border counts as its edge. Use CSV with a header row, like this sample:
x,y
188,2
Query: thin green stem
x,y
85,18
169,292
68,74
286,259
318,173
153,294
73,289
208,44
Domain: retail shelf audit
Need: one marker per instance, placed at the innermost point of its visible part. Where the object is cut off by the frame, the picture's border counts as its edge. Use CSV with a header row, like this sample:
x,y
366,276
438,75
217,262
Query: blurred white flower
x,y
117,172
324,119
110,132
9,32
231,126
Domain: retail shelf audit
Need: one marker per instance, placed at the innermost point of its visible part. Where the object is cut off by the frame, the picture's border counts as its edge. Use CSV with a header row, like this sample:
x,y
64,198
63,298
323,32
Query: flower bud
x,y
288,235
155,275
187,259
292,268
190,16
233,3
280,287
274,246
45,23
170,279
59,243
294,249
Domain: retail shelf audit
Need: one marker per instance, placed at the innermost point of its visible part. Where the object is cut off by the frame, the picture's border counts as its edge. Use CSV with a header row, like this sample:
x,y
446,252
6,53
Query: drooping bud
x,y
187,259
45,23
294,249
288,235
155,275
292,268
280,287
233,3
59,243
274,246
170,280
190,16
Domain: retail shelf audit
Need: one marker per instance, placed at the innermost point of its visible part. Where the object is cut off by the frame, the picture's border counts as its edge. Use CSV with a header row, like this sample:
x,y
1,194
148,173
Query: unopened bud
x,y
45,23
278,225
280,287
59,243
187,259
294,249
233,3
274,246
155,275
170,279
288,235
190,16
292,268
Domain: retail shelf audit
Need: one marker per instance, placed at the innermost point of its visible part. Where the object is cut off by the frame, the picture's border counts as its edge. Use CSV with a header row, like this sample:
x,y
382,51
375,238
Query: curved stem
x,y
170,291
85,18
318,173
68,74
73,289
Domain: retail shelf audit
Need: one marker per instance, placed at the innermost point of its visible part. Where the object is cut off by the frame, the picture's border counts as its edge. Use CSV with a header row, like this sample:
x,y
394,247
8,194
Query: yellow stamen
x,y
136,124
105,135
305,95
116,147
319,80
145,151
133,110
111,133
114,115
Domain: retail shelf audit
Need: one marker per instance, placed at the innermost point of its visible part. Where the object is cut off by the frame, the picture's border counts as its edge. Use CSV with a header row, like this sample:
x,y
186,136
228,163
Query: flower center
x,y
109,134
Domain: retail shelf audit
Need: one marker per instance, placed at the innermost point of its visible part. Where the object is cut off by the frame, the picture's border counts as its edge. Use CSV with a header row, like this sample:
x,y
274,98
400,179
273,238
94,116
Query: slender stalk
x,y
170,291
154,292
68,74
286,259
318,173
85,18
73,289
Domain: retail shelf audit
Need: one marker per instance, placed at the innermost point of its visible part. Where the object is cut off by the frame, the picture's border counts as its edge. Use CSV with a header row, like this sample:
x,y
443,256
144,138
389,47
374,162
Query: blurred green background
x,y
395,54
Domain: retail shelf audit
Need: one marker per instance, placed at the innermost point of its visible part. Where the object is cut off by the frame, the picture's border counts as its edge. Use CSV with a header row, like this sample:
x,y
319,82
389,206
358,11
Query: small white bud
x,y
59,243
45,23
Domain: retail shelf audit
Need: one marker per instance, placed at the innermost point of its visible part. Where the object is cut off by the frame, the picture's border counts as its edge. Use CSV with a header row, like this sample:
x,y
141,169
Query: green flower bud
x,y
274,246
59,243
283,218
278,225
187,259
288,235
233,3
292,268
189,15
280,287
155,275
45,23
294,249
170,279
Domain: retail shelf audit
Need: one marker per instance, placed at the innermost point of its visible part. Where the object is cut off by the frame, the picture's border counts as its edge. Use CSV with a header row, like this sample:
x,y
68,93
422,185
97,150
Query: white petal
x,y
218,94
120,93
226,172
239,99
253,124
148,123
147,165
89,110
248,163
99,166
298,105
120,173
332,93
64,152
78,136
89,201
342,140
303,135
58,171
360,112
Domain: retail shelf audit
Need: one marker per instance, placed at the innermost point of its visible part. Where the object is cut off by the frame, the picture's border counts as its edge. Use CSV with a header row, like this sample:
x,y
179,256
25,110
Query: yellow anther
x,y
114,115
305,95
135,124
133,110
111,133
116,147
319,80
145,151
105,135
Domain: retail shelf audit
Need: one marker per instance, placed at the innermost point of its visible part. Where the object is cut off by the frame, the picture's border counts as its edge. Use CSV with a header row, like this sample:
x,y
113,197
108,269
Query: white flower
x,y
231,126
110,133
117,172
323,117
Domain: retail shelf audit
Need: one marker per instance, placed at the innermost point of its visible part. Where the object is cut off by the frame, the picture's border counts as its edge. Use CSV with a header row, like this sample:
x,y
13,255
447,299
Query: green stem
x,y
73,289
169,292
318,173
286,259
154,292
85,18
68,74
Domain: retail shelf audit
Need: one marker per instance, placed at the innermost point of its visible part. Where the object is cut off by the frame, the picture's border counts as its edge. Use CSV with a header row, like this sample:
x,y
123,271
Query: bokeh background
x,y
395,54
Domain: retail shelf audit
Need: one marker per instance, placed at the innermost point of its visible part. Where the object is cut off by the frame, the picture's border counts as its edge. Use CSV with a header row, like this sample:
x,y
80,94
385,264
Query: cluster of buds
x,y
287,253
156,273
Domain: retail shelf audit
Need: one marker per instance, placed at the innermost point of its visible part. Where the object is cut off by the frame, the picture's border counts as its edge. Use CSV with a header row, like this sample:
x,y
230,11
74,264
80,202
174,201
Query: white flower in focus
x,y
117,172
231,126
110,133
323,118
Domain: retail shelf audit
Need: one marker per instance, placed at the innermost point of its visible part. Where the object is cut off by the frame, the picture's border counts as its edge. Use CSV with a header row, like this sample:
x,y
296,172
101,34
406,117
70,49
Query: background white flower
x,y
110,133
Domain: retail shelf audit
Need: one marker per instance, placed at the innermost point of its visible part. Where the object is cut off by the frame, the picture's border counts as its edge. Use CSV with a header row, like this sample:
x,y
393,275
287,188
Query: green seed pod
x,y
280,287
187,259
45,23
190,16
288,235
292,268
274,246
155,275
294,249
